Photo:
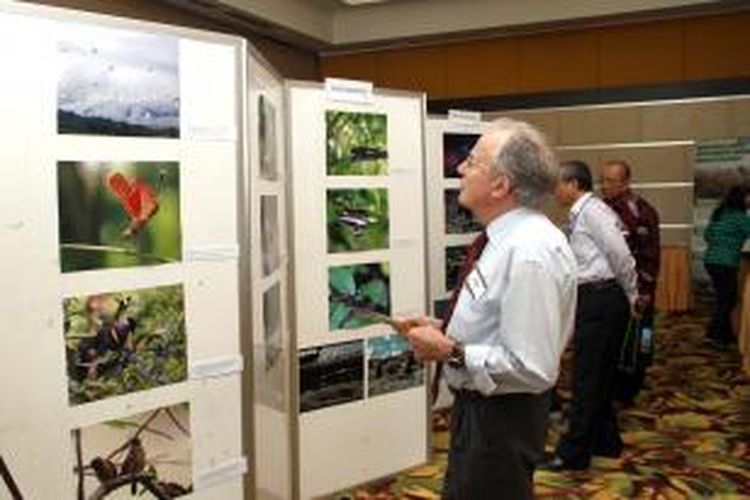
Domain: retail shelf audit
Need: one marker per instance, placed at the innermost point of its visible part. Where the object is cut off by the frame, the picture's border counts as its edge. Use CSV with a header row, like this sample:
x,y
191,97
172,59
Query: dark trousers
x,y
724,279
602,316
629,384
496,443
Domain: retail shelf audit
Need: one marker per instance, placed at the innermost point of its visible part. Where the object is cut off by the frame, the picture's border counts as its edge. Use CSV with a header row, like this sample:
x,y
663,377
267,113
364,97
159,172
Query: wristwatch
x,y
457,358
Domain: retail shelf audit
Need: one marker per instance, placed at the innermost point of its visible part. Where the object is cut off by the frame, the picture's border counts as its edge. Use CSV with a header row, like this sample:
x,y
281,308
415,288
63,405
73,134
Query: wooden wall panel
x,y
558,61
364,66
701,120
419,69
482,67
717,46
675,205
641,54
600,126
648,53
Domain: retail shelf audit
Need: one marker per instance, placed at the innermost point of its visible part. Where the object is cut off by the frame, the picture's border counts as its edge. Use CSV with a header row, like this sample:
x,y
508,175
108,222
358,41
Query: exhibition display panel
x,y
358,255
270,378
450,227
122,146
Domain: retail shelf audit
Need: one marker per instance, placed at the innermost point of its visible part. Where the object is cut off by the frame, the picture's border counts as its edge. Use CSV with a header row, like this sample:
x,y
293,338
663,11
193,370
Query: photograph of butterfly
x,y
356,143
357,219
147,455
118,214
355,292
123,342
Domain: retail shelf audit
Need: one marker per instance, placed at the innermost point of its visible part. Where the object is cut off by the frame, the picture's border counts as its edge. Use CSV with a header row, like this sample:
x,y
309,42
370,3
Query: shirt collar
x,y
580,202
500,225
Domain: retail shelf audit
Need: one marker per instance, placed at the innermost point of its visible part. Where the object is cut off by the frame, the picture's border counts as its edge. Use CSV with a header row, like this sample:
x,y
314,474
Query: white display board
x,y
357,192
450,228
270,261
120,154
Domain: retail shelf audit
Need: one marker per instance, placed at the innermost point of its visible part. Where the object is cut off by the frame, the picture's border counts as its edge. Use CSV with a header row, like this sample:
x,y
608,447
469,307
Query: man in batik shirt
x,y
641,221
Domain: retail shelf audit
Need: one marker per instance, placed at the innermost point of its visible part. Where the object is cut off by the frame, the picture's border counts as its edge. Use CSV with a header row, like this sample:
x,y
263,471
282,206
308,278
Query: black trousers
x,y
496,443
724,279
602,316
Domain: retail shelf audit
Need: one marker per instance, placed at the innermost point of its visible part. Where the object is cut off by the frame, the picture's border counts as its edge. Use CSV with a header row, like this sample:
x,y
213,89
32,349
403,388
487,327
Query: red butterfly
x,y
137,198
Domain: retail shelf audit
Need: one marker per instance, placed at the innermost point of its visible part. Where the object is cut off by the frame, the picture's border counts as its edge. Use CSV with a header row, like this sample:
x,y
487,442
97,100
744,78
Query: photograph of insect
x,y
118,214
356,143
357,219
354,290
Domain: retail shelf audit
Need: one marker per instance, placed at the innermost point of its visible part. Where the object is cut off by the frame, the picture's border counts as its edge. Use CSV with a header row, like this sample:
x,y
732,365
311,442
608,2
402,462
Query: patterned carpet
x,y
688,435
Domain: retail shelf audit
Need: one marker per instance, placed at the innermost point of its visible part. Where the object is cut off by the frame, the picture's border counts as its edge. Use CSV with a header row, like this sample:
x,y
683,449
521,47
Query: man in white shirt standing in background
x,y
512,319
606,293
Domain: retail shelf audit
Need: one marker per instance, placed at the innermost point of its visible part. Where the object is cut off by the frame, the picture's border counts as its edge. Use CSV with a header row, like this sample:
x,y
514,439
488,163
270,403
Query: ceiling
x,y
345,25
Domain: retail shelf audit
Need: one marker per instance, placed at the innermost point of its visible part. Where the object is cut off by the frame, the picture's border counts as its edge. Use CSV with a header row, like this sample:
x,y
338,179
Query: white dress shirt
x,y
597,238
516,310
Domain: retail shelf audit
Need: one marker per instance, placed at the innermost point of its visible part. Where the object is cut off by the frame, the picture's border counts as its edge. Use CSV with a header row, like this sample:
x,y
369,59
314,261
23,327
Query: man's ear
x,y
500,186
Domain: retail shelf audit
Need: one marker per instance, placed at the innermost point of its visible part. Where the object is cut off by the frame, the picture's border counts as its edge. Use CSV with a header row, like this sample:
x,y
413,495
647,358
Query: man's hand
x,y
429,343
639,306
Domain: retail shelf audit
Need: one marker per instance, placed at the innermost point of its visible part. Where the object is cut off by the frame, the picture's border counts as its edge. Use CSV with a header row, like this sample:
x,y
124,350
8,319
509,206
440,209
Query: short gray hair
x,y
527,160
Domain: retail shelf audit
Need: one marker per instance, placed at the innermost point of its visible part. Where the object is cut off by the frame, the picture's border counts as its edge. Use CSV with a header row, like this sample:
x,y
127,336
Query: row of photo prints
x,y
335,374
458,220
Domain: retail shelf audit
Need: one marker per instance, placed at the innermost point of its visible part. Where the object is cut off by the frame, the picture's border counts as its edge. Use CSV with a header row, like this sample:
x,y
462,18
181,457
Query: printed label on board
x,y
213,253
464,117
216,367
221,473
354,91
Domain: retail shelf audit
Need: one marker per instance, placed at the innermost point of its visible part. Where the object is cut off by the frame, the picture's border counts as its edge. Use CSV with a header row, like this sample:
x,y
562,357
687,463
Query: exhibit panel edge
x,y
361,457
38,149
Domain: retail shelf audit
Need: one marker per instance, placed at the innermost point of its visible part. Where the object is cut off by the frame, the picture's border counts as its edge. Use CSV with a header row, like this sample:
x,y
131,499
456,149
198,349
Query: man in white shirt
x,y
512,319
606,292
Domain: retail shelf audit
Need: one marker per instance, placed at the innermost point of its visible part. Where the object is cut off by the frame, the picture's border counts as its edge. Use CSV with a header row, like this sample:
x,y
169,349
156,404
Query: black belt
x,y
597,285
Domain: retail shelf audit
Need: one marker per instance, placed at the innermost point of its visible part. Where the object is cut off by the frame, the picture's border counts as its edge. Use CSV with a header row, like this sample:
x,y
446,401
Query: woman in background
x,y
725,235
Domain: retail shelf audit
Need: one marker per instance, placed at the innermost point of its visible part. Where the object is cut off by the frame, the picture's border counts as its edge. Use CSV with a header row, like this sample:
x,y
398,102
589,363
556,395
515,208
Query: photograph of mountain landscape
x,y
117,83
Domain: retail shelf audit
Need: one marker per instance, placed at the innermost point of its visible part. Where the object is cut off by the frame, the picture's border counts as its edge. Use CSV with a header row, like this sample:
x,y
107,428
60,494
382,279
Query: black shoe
x,y
555,463
609,453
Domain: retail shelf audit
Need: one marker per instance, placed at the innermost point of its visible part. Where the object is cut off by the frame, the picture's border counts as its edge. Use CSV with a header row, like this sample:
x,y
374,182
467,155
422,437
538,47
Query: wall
x,y
291,61
647,53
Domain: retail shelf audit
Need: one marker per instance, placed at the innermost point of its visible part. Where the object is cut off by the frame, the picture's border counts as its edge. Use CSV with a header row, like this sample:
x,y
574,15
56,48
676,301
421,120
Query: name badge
x,y
476,284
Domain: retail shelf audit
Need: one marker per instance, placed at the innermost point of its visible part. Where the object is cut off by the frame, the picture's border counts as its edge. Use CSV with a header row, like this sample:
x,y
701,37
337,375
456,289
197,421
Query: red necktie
x,y
473,252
